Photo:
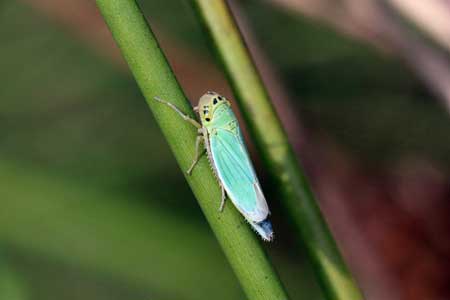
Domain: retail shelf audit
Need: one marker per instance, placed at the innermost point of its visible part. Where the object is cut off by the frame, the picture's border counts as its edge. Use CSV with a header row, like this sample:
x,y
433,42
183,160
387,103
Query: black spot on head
x,y
215,101
207,119
205,112
220,98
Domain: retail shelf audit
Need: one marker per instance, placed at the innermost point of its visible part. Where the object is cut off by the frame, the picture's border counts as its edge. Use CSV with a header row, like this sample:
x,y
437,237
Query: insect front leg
x,y
182,114
198,153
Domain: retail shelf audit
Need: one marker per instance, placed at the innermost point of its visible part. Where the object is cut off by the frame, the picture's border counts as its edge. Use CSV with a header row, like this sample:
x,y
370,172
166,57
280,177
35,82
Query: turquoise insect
x,y
222,138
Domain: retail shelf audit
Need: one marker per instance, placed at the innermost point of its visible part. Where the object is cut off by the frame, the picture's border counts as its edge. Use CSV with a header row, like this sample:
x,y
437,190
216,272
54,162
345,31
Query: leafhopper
x,y
222,139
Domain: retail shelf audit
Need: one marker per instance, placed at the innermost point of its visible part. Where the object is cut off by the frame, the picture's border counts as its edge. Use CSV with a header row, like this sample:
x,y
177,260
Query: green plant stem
x,y
272,141
155,78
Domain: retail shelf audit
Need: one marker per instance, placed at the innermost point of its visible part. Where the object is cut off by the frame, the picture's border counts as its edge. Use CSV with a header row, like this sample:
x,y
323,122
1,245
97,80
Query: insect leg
x,y
198,153
224,196
182,114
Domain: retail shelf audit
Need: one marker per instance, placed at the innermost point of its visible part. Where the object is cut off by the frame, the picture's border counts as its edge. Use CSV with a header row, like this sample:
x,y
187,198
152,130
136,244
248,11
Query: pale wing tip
x,y
262,209
264,229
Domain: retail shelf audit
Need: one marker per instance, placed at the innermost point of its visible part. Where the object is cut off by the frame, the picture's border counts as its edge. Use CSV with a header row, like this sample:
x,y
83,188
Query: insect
x,y
222,139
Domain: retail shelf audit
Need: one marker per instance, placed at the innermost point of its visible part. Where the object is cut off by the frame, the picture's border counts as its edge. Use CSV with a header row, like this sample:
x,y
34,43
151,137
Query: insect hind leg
x,y
224,197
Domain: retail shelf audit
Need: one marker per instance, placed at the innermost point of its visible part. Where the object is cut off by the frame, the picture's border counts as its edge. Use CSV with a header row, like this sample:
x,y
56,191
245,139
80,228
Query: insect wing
x,y
237,175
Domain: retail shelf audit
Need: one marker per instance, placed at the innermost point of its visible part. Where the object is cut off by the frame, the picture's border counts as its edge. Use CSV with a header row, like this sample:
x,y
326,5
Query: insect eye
x,y
215,101
207,119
